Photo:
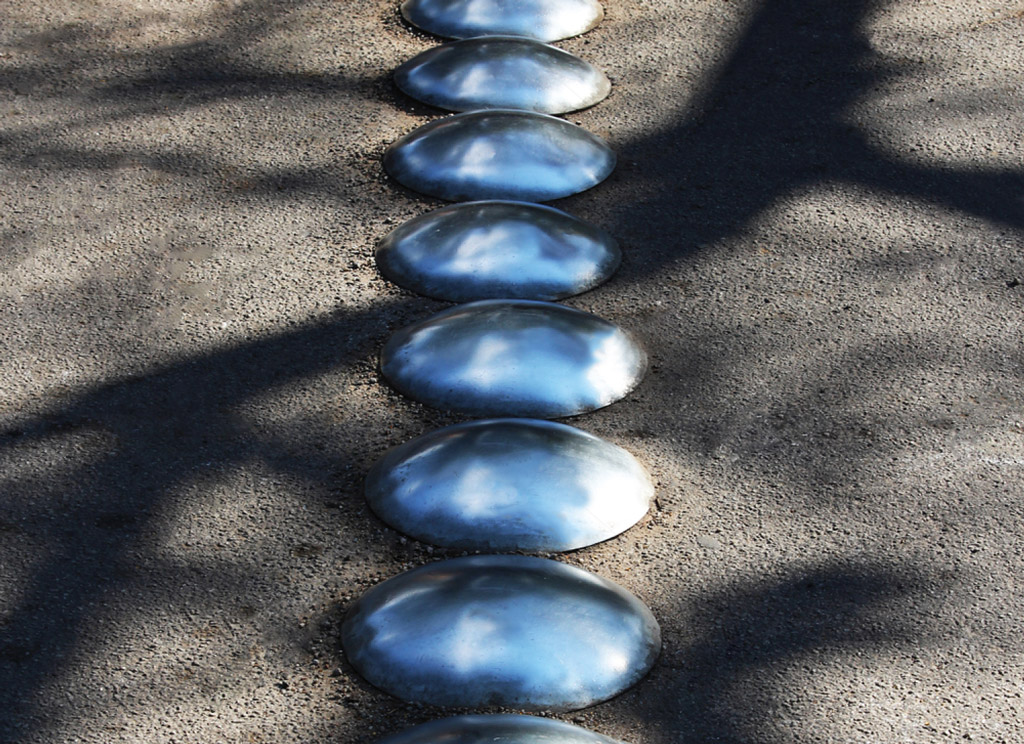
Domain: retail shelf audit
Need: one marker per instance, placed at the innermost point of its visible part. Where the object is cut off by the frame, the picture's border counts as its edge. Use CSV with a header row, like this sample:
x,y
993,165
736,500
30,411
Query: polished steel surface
x,y
510,630
547,20
499,154
509,484
497,729
514,358
502,72
498,249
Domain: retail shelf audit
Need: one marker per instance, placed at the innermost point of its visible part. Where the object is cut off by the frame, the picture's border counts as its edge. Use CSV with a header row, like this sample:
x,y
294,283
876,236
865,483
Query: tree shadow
x,y
775,120
745,654
779,119
165,81
780,116
146,437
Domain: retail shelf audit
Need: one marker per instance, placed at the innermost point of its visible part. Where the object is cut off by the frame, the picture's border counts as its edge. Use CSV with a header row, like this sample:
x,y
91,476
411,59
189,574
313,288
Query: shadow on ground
x,y
774,120
755,647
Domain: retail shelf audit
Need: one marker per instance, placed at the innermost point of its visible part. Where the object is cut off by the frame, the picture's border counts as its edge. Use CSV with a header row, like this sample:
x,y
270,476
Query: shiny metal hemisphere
x,y
499,154
498,729
509,484
514,358
547,20
498,249
502,72
510,631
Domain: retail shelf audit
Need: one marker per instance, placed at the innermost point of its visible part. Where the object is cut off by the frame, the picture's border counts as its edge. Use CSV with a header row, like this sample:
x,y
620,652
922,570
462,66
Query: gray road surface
x,y
822,211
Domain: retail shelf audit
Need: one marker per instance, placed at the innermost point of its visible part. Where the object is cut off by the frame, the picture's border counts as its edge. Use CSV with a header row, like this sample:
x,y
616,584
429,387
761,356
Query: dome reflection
x,y
547,20
502,72
514,358
497,249
499,154
509,631
509,484
498,729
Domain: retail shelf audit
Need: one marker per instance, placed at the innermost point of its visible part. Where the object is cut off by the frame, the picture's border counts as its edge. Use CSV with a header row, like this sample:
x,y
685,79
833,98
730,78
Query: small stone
x,y
709,543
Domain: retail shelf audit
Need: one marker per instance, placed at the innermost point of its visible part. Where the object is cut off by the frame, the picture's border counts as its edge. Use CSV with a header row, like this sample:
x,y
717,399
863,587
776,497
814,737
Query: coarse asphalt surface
x,y
821,207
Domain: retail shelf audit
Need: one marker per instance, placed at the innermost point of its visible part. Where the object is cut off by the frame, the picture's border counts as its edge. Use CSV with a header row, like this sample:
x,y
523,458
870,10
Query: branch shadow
x,y
778,117
749,648
146,437
774,120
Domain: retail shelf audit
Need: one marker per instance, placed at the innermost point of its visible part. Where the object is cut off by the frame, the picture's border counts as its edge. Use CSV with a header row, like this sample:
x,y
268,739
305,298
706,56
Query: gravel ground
x,y
822,212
